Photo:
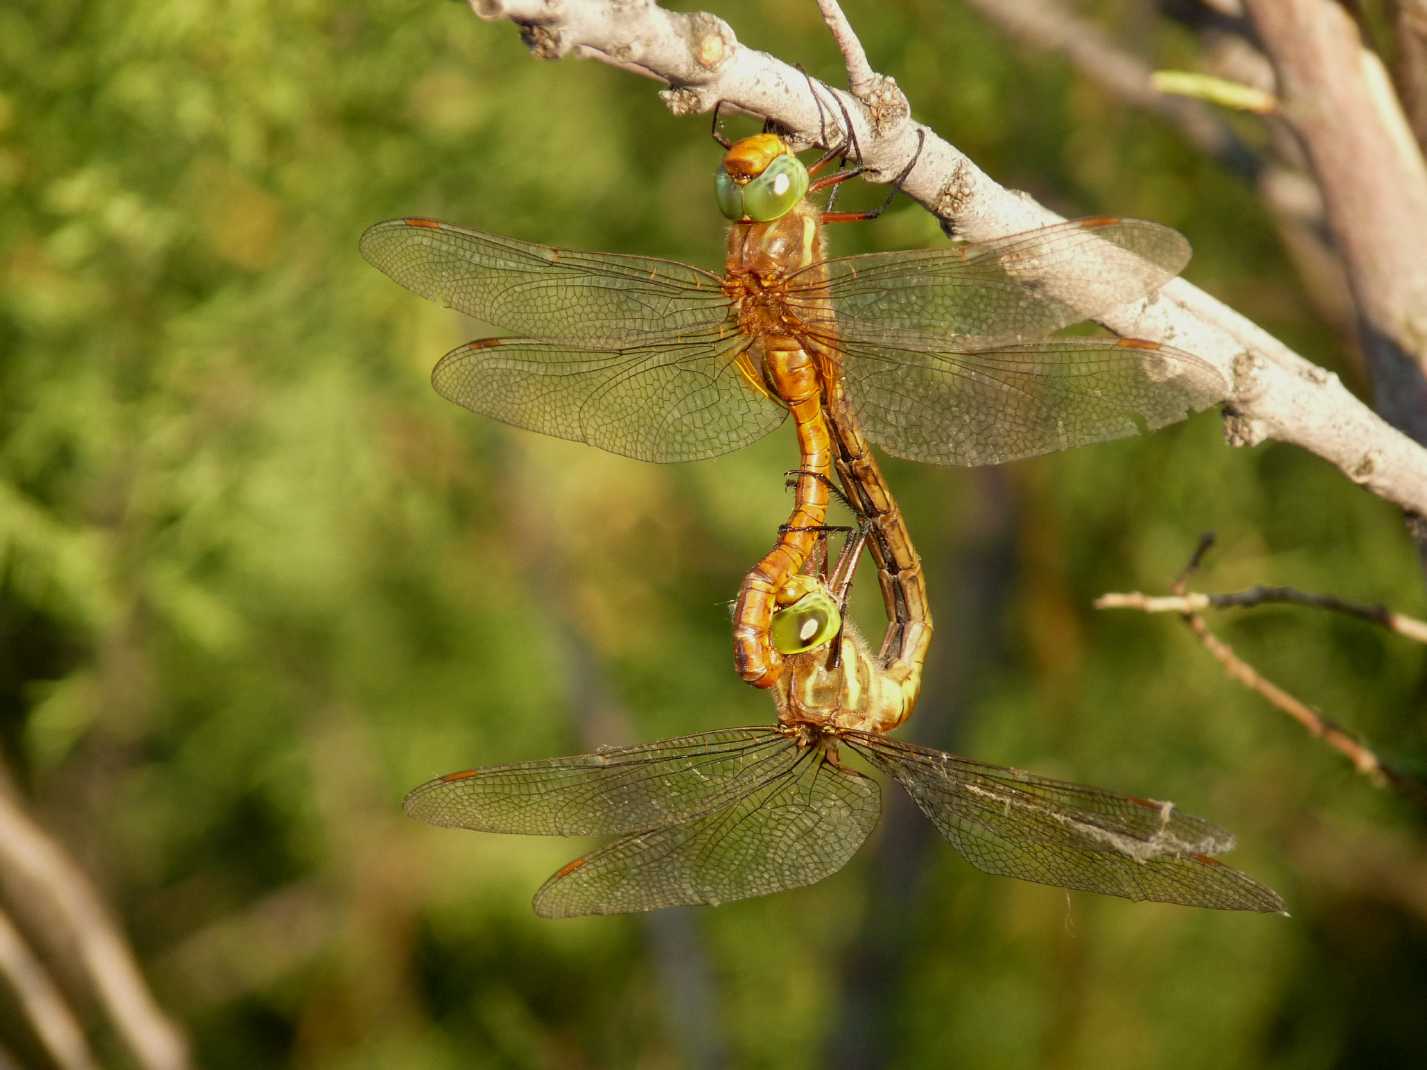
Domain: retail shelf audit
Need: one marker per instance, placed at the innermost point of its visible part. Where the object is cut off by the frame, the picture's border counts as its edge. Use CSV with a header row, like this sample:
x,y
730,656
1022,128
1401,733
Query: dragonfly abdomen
x,y
792,376
899,568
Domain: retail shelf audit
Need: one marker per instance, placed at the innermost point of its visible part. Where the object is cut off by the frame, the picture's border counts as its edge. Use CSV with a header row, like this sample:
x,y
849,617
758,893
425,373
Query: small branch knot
x,y
711,41
887,106
686,100
1248,383
544,42
1242,431
1366,467
953,197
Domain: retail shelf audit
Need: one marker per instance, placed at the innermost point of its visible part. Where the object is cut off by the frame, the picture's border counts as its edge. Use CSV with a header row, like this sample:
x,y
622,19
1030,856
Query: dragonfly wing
x,y
658,401
785,832
971,407
1014,289
600,299
612,792
1013,824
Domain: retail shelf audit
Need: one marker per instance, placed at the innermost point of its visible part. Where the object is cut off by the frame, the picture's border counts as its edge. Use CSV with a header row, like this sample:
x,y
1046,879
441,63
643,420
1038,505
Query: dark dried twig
x,y
1261,595
1187,603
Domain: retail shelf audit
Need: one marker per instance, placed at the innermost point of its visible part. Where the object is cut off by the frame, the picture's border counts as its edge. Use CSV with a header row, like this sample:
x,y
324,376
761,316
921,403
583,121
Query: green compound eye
x,y
810,622
773,193
729,194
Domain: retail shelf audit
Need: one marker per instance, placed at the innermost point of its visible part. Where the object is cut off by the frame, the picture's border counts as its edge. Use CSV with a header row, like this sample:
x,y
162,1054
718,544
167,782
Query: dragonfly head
x,y
760,179
808,619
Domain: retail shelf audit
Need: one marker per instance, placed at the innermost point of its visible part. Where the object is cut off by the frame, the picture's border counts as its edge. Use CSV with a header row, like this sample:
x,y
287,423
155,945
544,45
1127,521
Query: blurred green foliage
x,y
256,580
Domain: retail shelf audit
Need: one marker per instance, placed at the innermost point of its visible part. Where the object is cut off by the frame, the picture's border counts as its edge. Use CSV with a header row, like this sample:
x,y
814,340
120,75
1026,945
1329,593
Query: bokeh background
x,y
257,580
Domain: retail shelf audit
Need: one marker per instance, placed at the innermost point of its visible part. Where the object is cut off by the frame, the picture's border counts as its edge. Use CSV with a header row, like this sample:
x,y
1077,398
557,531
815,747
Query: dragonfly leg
x,y
873,213
833,152
832,487
839,582
817,529
717,134
849,147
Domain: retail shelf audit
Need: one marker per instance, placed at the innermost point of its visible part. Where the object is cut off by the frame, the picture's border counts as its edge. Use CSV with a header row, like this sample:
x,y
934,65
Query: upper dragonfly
x,y
938,355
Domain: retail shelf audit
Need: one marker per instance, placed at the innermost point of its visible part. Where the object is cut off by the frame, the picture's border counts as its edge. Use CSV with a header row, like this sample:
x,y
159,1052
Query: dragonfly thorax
x,y
851,693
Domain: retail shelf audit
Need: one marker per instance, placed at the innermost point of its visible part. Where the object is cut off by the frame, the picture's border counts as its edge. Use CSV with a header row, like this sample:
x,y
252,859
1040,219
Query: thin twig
x,y
1187,603
41,1002
861,78
1195,602
47,892
1273,392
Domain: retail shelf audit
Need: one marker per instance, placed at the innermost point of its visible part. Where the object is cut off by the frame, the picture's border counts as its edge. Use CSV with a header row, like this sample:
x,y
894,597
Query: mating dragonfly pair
x,y
939,355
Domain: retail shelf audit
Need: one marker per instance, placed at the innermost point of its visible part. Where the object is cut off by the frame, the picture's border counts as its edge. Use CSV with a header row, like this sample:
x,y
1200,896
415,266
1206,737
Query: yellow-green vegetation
x,y
256,580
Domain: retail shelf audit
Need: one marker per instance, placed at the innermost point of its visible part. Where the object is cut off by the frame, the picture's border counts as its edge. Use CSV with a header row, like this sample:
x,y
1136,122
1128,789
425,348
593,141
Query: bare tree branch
x,y
1337,98
1274,393
59,908
42,1002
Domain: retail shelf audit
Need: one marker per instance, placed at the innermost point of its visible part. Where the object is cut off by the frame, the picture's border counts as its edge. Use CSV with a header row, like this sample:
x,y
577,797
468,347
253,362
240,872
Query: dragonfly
x,y
736,813
939,355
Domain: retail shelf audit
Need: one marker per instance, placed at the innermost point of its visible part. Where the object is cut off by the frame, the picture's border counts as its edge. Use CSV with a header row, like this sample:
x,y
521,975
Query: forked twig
x,y
1188,604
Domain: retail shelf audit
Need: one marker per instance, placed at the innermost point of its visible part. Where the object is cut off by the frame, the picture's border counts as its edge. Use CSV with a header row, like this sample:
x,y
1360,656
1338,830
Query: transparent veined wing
x,y
614,791
1014,289
785,831
929,401
1014,824
655,401
598,299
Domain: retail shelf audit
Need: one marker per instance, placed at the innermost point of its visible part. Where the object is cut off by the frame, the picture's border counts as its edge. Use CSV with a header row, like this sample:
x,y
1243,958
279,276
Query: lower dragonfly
x,y
741,812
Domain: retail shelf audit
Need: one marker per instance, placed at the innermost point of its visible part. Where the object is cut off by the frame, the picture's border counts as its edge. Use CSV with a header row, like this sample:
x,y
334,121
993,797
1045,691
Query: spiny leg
x,y
873,213
832,487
